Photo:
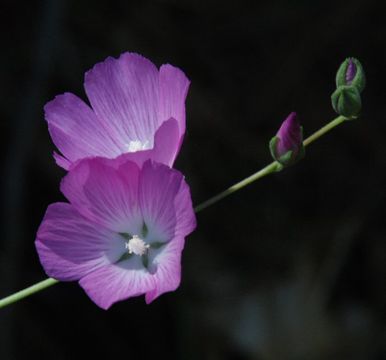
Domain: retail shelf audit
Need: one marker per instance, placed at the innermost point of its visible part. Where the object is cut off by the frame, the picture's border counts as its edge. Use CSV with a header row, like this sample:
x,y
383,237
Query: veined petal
x,y
167,262
76,131
102,193
165,149
174,86
186,218
158,187
113,283
124,94
131,100
62,161
70,246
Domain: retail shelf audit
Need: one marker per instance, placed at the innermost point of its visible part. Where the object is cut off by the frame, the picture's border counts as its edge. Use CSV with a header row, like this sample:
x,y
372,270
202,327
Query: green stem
x,y
270,168
325,129
28,291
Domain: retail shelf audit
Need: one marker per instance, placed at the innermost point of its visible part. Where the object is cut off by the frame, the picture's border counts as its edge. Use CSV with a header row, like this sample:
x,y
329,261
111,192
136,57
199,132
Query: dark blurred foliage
x,y
292,267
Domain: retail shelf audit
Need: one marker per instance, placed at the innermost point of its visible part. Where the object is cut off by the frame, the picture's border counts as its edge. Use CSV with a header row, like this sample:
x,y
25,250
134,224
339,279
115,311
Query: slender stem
x,y
28,291
270,168
325,129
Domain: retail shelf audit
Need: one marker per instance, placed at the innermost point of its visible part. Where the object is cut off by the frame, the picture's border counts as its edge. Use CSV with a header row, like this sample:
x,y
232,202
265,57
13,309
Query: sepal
x,y
346,101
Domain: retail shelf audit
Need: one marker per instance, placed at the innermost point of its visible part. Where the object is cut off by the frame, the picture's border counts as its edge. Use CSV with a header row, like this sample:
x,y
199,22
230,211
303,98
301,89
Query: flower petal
x,y
124,93
174,87
167,263
113,283
167,143
167,260
165,146
62,161
186,218
158,187
102,193
165,202
70,246
76,131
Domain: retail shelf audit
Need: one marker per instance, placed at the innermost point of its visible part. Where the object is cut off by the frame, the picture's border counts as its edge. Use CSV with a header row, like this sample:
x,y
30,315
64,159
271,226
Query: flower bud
x,y
346,101
287,146
351,73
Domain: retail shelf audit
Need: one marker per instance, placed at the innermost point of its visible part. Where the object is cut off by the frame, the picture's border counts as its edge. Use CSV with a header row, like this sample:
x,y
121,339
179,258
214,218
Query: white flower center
x,y
137,145
136,246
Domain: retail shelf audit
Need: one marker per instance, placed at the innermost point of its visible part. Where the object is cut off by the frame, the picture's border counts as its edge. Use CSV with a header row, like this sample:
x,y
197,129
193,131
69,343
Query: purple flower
x,y
122,233
135,109
287,146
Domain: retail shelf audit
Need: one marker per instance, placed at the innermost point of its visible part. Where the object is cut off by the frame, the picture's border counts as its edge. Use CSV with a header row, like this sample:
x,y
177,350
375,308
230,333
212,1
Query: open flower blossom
x,y
136,109
123,231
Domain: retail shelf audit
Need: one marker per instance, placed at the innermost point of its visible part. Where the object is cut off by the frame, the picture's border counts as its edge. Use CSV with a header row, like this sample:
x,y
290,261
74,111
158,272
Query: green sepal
x,y
359,80
124,256
126,236
145,230
346,101
157,244
279,167
145,260
286,159
272,146
272,149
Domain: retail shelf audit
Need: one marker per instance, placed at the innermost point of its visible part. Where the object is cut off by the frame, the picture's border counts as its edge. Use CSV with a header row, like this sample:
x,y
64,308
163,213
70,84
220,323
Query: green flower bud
x,y
346,101
351,72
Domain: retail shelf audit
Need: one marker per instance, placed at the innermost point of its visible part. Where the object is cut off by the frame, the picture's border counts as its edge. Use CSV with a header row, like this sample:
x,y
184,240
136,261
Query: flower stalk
x,y
270,168
28,291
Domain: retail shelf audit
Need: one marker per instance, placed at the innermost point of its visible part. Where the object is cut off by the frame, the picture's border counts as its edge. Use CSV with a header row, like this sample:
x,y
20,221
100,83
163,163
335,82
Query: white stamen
x,y
136,246
137,145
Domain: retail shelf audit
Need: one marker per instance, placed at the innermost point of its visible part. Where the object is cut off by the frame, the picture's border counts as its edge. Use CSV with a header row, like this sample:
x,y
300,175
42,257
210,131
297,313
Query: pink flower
x,y
135,109
122,233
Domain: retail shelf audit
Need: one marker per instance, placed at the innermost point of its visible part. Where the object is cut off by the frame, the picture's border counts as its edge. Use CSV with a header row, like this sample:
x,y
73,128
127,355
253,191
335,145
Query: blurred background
x,y
292,267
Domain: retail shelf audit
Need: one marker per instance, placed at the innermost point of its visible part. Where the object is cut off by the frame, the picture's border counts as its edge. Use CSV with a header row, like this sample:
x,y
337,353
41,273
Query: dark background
x,y
292,267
